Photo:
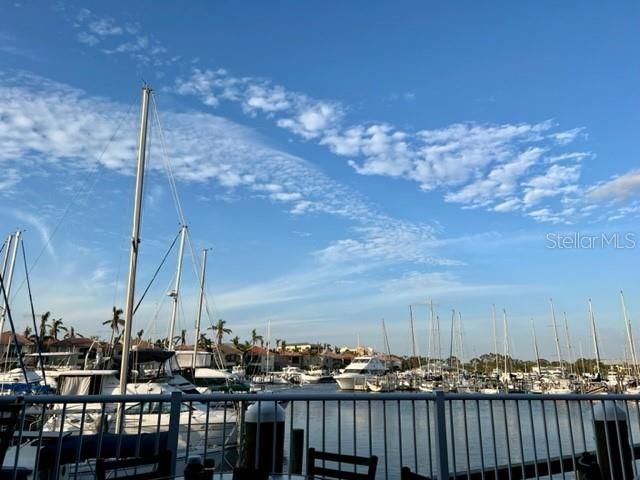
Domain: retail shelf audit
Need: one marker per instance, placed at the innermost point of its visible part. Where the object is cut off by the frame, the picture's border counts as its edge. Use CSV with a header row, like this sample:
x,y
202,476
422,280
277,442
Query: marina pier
x,y
439,435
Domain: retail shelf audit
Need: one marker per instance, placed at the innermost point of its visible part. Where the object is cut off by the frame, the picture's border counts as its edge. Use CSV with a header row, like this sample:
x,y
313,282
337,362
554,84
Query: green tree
x,y
72,333
139,334
56,327
115,322
236,342
204,342
44,319
255,338
219,330
27,332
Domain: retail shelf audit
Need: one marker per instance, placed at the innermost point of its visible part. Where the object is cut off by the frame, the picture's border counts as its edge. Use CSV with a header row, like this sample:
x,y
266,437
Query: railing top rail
x,y
315,396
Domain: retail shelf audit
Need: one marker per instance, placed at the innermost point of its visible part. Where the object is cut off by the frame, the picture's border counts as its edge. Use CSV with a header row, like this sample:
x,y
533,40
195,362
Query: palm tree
x,y
44,319
71,333
219,330
255,338
204,342
27,332
56,328
283,344
236,342
139,334
115,322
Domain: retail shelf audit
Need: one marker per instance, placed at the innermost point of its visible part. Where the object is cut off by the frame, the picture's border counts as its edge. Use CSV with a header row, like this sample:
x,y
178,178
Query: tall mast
x,y
200,302
627,322
460,341
495,336
535,346
135,243
7,244
506,342
14,244
431,348
413,337
176,289
594,333
555,333
453,322
438,344
569,349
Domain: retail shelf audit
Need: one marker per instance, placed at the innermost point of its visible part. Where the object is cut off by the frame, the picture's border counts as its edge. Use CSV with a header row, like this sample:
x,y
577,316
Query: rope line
x,y
156,273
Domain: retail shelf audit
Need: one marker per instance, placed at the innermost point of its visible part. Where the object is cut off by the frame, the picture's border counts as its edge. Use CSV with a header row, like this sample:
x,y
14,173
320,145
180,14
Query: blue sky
x,y
342,161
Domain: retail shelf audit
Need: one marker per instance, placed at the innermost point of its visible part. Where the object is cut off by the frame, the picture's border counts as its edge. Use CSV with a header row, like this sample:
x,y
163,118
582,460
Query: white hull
x,y
348,381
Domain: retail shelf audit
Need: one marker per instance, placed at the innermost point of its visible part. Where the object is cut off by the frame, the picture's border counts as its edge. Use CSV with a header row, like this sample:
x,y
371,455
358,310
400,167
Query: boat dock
x,y
438,435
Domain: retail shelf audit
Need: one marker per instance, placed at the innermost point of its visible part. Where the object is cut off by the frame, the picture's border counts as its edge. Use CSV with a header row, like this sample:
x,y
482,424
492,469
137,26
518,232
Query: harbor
x,y
438,435
319,240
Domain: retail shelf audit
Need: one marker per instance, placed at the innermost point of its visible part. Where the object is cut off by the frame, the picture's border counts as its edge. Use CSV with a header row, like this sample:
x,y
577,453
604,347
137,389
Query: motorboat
x,y
362,369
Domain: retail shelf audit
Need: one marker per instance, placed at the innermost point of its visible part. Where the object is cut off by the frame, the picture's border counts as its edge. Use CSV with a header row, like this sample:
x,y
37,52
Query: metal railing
x,y
453,436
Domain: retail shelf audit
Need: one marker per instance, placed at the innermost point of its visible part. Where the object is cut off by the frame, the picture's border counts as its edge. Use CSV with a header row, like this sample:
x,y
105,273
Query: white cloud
x,y
500,182
477,165
568,136
87,38
509,205
40,226
104,27
46,123
620,187
104,31
557,180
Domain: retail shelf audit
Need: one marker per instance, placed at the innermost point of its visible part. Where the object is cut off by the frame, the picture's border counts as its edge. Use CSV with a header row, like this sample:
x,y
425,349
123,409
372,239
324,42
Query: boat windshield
x,y
155,408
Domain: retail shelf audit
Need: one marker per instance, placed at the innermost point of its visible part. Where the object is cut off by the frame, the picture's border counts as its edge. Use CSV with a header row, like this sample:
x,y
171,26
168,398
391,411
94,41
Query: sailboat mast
x,y
451,340
594,333
439,344
12,264
413,337
632,347
555,333
495,336
7,245
135,243
535,346
569,349
507,370
460,340
431,348
200,302
176,290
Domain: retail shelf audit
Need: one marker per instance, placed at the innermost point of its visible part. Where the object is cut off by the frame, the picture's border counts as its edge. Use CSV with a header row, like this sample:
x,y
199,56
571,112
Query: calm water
x,y
484,433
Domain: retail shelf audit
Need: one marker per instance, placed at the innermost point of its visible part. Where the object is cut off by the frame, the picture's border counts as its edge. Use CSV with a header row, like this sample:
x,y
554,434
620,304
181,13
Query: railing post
x,y
442,453
174,427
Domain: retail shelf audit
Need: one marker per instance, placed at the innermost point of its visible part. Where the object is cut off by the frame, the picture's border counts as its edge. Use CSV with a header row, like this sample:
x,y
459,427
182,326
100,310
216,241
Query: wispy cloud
x,y
9,46
496,167
618,188
29,219
475,165
111,37
46,123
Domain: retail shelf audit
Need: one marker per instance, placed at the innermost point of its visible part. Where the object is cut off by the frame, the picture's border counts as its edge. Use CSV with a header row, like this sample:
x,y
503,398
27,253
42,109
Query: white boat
x,y
316,375
359,371
382,383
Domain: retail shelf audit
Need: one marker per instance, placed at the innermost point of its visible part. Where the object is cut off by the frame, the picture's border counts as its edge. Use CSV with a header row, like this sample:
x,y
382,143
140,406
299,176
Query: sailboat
x,y
202,429
386,382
